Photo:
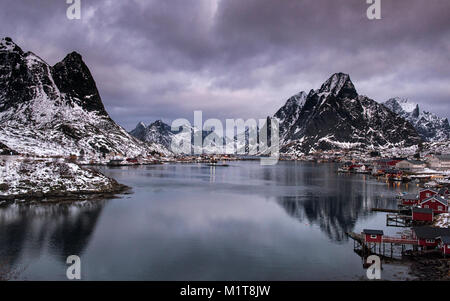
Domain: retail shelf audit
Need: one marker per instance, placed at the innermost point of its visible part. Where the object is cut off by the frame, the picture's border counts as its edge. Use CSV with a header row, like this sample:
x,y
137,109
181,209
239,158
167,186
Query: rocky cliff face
x,y
335,116
55,110
73,78
288,114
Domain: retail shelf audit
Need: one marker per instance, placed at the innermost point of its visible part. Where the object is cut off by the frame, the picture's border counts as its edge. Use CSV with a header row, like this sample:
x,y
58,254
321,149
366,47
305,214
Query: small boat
x,y
115,162
431,184
218,164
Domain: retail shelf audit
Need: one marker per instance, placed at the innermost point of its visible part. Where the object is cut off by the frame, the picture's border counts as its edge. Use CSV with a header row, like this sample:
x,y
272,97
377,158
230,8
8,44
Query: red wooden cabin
x,y
386,163
354,167
427,237
437,203
422,214
375,236
426,193
408,199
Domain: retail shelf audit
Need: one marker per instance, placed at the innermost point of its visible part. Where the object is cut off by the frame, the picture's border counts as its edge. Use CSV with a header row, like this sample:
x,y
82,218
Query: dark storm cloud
x,y
233,58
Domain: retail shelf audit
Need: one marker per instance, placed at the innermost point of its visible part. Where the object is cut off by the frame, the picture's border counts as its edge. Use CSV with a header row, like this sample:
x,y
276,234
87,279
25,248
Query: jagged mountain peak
x,y
55,110
335,116
160,127
141,125
429,126
287,114
157,133
7,44
298,99
72,76
73,56
73,59
416,112
402,104
339,84
158,122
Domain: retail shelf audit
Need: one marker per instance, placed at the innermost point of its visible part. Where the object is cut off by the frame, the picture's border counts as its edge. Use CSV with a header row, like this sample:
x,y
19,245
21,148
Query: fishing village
x,y
422,216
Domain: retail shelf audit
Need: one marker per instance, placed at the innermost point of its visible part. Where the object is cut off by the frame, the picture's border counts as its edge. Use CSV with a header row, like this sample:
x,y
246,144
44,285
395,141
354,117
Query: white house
x,y
439,162
410,165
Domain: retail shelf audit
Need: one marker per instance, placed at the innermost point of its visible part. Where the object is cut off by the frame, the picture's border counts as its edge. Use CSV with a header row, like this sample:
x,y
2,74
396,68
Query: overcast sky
x,y
163,59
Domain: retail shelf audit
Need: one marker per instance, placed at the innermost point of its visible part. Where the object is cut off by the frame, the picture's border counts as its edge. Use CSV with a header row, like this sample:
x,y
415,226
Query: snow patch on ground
x,y
442,220
23,177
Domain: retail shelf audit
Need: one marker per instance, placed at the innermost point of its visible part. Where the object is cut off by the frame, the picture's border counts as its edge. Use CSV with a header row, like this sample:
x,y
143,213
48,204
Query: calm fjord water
x,y
194,222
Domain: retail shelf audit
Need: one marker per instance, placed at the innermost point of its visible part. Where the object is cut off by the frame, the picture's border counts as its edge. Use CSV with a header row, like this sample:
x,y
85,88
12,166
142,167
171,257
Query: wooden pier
x,y
398,220
386,210
387,247
406,210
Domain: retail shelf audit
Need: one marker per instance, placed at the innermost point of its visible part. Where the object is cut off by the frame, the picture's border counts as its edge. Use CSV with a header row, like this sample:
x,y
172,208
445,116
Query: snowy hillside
x,y
55,110
25,178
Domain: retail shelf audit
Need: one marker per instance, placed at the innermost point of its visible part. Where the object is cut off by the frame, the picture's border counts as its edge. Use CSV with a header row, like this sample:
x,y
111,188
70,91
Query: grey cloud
x,y
232,58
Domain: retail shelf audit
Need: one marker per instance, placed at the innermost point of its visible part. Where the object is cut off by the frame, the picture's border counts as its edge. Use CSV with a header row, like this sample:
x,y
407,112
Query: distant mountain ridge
x,y
161,134
56,110
157,132
334,116
429,126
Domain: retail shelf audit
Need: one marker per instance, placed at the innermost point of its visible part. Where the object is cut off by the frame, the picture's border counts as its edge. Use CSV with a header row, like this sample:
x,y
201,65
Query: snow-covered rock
x,y
289,113
442,220
336,117
44,178
157,133
429,126
56,110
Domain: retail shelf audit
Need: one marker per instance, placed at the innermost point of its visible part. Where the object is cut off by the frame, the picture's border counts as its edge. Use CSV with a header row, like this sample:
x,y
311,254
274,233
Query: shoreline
x,y
429,268
47,181
66,197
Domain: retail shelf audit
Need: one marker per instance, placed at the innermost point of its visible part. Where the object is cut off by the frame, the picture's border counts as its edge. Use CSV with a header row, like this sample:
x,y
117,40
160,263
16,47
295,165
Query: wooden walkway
x,y
386,210
399,240
386,246
398,220
386,239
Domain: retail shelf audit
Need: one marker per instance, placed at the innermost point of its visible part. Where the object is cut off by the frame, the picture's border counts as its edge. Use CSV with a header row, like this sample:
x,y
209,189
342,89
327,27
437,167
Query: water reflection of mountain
x,y
62,229
338,205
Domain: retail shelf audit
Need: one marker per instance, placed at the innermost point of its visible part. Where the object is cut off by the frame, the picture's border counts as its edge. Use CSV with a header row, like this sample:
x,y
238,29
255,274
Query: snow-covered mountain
x,y
55,110
429,126
160,134
331,117
335,116
157,132
289,113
